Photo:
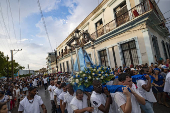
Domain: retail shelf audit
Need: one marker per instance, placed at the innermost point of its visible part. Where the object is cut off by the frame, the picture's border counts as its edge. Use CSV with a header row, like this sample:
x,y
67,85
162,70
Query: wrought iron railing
x,y
125,17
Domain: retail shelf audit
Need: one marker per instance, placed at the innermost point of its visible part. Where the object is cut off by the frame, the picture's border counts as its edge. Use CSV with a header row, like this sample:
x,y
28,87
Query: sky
x,y
28,32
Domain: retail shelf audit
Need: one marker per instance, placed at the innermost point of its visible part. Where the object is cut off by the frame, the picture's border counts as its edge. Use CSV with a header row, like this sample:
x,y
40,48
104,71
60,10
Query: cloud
x,y
22,40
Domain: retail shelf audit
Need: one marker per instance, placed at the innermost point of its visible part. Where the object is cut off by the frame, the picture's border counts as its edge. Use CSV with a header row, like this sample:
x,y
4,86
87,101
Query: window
x,y
121,14
167,46
99,28
156,47
60,67
99,24
164,49
130,55
63,67
67,66
103,57
114,55
72,64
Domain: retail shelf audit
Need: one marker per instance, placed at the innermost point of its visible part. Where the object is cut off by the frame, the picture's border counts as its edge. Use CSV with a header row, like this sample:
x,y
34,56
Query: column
x,y
148,46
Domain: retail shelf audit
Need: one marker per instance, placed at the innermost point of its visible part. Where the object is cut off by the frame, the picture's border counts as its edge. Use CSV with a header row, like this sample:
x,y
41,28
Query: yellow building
x,y
125,32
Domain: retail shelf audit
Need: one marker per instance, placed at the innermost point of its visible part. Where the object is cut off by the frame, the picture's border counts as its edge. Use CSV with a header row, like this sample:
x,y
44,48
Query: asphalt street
x,y
46,99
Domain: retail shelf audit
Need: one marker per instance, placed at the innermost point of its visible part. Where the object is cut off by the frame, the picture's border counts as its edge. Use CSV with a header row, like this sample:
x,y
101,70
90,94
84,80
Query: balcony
x,y
124,18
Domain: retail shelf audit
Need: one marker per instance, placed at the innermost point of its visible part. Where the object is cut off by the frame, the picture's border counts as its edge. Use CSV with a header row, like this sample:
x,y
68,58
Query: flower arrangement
x,y
86,77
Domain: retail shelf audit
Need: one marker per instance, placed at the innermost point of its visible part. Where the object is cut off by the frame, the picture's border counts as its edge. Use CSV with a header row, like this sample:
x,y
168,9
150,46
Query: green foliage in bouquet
x,y
86,77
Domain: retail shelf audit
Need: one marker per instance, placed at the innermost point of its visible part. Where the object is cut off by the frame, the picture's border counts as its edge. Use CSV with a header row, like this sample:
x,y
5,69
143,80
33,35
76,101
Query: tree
x,y
3,63
6,66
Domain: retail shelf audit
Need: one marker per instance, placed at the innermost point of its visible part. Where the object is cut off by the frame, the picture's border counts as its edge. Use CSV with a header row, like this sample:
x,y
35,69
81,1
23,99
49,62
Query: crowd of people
x,y
135,97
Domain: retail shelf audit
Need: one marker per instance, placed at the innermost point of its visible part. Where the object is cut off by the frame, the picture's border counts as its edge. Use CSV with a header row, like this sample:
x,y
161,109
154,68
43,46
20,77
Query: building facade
x,y
125,32
50,58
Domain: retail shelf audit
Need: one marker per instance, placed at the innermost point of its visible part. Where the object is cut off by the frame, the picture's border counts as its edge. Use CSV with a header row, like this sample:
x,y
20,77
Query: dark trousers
x,y
45,86
58,109
53,110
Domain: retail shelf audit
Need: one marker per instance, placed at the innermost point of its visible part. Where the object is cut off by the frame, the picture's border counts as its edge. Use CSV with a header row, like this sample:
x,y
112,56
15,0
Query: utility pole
x,y
12,73
29,69
12,65
7,70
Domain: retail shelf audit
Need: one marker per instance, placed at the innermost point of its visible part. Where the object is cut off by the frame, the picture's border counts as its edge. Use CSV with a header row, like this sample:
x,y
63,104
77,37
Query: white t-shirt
x,y
79,104
167,83
28,107
61,96
146,95
17,93
114,106
51,92
120,99
57,92
35,82
67,100
45,80
98,99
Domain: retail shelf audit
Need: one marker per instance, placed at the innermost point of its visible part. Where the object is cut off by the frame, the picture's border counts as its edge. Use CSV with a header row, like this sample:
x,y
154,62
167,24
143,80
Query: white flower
x,y
89,77
84,75
77,75
97,78
77,72
101,77
93,73
77,80
99,74
86,81
106,74
94,69
102,72
81,71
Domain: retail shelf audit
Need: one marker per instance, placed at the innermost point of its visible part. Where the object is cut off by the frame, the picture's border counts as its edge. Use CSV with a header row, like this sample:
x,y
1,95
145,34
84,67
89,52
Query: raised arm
x,y
147,86
105,108
127,107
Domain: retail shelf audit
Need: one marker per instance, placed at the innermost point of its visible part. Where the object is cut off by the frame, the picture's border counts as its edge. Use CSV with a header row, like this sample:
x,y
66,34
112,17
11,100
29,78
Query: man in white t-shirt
x,y
128,102
51,91
61,96
35,82
57,92
100,101
31,103
79,103
45,82
68,97
145,89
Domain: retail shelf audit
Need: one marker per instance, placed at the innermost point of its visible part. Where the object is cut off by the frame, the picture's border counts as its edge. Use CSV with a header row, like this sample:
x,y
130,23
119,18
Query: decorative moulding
x,y
111,3
85,25
98,14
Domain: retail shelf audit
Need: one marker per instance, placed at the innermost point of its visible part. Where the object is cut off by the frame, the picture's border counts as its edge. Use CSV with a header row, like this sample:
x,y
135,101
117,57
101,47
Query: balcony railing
x,y
125,17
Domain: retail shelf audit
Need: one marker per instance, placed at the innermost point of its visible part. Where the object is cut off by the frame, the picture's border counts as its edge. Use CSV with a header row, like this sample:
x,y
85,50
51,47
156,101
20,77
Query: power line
x,y
5,24
44,23
19,18
167,11
12,20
